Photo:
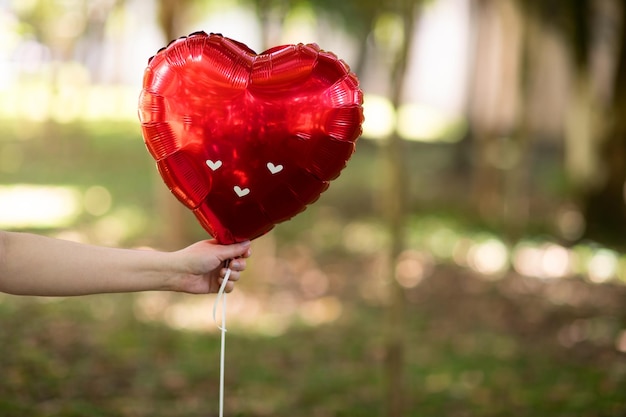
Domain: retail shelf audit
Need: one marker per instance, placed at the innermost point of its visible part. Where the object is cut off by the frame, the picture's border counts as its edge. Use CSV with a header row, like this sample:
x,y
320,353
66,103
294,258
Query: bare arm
x,y
37,265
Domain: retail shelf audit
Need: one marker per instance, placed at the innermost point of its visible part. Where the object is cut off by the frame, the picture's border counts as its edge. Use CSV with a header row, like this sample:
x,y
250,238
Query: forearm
x,y
37,265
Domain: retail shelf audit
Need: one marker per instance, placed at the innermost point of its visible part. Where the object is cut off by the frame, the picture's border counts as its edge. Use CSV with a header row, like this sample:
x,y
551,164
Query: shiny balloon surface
x,y
248,140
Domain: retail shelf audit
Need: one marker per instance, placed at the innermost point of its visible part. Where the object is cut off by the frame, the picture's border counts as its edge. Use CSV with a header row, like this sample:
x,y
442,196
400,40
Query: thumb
x,y
234,251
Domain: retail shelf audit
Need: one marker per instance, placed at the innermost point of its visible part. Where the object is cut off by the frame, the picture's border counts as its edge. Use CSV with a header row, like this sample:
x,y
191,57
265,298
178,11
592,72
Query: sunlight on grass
x,y
546,261
414,122
363,237
68,103
412,267
119,225
70,213
97,200
321,311
423,123
380,116
261,314
489,257
541,258
602,266
24,205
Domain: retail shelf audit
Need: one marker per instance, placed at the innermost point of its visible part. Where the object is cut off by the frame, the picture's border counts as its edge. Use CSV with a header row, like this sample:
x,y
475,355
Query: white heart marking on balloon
x,y
241,192
213,165
274,169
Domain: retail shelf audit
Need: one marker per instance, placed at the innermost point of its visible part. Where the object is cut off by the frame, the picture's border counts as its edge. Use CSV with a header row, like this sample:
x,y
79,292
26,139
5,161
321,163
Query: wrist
x,y
169,275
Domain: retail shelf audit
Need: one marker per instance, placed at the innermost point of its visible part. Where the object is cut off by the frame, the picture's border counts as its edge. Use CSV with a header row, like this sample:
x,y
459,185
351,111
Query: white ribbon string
x,y
221,295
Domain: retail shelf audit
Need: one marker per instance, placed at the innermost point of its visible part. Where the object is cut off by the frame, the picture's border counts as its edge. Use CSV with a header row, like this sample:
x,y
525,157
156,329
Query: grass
x,y
471,351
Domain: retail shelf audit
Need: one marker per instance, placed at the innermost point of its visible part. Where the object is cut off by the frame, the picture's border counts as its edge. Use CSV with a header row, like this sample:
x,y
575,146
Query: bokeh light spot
x,y
97,200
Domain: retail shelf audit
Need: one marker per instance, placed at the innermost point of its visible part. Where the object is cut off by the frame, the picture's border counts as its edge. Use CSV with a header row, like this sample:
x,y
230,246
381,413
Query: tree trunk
x,y
271,14
396,211
171,234
605,208
516,192
493,109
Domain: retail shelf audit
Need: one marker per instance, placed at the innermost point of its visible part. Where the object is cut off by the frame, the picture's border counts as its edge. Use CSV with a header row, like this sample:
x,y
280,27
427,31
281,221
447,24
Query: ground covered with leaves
x,y
511,347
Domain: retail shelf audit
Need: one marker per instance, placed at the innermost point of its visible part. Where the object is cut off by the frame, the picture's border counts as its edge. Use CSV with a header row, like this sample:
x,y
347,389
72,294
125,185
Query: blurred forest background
x,y
469,261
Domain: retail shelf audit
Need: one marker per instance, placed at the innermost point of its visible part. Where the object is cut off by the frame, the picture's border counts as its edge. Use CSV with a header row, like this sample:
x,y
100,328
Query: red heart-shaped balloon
x,y
248,140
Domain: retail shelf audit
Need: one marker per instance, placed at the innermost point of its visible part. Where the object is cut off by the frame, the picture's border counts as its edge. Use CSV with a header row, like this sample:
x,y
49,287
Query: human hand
x,y
200,268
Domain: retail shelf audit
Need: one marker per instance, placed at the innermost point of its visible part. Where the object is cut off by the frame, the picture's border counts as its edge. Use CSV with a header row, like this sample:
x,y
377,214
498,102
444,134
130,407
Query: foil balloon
x,y
248,140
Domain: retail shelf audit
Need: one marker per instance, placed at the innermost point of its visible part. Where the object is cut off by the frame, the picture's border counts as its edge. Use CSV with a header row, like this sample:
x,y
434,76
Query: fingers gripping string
x,y
221,295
